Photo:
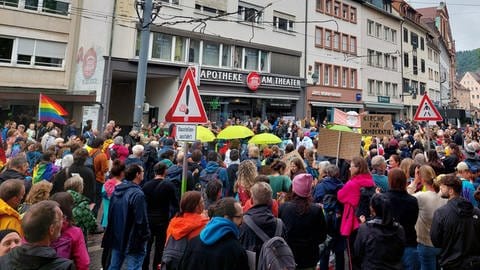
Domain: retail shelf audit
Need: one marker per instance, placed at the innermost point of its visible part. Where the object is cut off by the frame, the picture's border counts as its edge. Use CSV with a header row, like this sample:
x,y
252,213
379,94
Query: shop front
x,y
385,105
324,99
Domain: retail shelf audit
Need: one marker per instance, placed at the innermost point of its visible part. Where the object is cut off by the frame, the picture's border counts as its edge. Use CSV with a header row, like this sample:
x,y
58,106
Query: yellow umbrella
x,y
235,132
204,134
265,138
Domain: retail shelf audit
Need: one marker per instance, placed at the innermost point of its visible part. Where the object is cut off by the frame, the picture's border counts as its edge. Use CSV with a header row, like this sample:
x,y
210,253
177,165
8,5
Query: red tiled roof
x,y
428,12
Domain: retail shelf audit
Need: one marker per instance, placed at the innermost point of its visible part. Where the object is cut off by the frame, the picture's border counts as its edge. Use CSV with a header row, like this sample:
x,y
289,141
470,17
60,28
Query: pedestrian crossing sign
x,y
426,111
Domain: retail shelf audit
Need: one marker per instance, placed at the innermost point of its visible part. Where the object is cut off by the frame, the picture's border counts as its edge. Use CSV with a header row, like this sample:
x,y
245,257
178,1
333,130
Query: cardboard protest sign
x,y
377,125
338,144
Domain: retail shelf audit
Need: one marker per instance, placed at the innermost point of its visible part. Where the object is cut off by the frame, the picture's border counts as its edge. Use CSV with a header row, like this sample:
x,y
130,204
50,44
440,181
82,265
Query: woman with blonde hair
x,y
39,192
428,202
405,166
247,171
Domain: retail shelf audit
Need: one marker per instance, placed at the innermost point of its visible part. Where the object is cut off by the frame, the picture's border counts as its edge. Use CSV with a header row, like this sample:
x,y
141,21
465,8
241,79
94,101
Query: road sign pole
x,y
184,168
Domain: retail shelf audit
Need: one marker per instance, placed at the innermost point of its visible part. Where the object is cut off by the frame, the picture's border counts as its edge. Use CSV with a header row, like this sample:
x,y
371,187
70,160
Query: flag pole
x,y
39,104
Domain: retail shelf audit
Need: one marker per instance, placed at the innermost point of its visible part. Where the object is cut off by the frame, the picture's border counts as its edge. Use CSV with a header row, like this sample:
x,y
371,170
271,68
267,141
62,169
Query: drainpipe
x,y
304,96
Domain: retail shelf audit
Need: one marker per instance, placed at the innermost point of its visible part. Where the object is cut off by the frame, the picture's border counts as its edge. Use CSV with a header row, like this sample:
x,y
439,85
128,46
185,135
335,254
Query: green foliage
x,y
467,61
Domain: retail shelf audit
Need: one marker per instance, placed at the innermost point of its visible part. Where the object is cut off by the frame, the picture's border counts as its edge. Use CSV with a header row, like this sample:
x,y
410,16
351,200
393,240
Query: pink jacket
x,y
349,195
80,256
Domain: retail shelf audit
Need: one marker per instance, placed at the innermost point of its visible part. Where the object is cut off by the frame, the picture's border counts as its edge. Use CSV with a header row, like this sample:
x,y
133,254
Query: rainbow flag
x,y
49,110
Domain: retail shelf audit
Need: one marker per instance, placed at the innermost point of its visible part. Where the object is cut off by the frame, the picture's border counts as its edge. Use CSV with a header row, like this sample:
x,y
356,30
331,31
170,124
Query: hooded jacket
x,y
121,151
328,185
30,257
127,229
380,246
188,225
212,167
174,175
9,218
216,248
349,195
405,213
456,230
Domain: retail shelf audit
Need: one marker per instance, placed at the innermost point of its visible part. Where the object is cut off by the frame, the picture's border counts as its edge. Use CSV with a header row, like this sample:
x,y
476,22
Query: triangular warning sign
x,y
426,111
188,106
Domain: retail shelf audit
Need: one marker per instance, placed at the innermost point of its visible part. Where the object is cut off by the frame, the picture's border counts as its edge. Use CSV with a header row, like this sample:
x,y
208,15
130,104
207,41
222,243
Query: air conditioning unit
x,y
146,107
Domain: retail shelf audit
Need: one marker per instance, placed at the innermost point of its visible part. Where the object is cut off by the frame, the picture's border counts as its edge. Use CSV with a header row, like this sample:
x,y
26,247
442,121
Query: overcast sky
x,y
464,20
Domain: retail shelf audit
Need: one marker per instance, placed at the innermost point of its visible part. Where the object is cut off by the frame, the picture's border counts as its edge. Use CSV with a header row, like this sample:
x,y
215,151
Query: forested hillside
x,y
468,61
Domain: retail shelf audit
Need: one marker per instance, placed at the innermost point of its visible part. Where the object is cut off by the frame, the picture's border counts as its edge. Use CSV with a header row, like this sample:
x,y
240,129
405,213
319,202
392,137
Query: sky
x,y
464,20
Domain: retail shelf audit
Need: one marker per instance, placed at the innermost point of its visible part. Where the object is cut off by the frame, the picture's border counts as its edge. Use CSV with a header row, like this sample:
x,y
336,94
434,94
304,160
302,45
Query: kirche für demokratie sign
x,y
377,125
252,80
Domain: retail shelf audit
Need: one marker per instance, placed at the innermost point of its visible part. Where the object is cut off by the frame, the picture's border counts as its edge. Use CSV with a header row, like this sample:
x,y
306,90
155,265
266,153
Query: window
x,y
353,78
31,4
370,57
25,51
10,3
180,48
393,35
40,53
336,9
283,21
353,15
226,55
170,1
422,44
422,88
250,13
344,77
209,9
251,59
353,45
162,46
336,41
378,30
345,9
370,25
336,75
430,51
6,49
344,43
328,6
326,74
387,89
56,6
263,61
320,5
386,61
422,65
405,35
378,59
370,86
415,65
386,33
211,53
430,74
379,88
394,90
319,37
405,59
194,51
328,38
394,63
414,40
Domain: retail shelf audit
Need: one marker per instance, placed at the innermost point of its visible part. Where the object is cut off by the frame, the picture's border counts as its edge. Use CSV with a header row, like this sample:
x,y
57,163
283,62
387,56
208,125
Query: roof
x,y
475,75
428,12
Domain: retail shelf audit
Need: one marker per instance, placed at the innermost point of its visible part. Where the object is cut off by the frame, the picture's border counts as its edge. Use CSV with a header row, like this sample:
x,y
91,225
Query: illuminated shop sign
x,y
266,80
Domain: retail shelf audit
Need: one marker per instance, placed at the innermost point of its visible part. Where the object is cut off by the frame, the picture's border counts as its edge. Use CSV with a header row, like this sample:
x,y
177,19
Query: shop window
x,y
162,46
226,55
353,15
353,78
336,75
211,54
328,39
194,51
180,49
370,87
336,41
344,43
6,49
353,45
326,74
319,37
250,13
56,6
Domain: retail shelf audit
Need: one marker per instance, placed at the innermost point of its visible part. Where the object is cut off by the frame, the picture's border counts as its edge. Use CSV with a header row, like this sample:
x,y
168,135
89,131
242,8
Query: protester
x,y
9,239
100,168
39,192
278,181
12,192
379,167
247,171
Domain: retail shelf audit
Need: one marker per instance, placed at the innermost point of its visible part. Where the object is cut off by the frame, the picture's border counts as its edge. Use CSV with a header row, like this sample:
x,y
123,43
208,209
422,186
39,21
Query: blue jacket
x,y
328,185
212,167
216,229
127,229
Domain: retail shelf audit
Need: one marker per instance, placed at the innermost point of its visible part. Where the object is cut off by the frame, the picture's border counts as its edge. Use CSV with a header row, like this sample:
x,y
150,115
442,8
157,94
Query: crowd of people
x,y
406,201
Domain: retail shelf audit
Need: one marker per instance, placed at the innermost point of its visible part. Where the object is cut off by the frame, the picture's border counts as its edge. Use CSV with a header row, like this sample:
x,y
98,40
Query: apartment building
x,y
333,58
380,49
431,66
471,81
414,52
37,55
236,39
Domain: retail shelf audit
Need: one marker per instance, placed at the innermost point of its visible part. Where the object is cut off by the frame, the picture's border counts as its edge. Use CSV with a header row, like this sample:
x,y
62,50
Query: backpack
x,y
206,177
90,161
332,210
363,208
275,252
173,253
113,153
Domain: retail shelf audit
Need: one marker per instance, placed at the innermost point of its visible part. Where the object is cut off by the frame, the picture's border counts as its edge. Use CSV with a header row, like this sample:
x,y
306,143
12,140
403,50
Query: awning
x,y
387,106
337,105
253,95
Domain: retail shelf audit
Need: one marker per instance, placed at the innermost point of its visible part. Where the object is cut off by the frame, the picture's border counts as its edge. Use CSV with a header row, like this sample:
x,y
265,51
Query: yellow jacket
x,y
10,218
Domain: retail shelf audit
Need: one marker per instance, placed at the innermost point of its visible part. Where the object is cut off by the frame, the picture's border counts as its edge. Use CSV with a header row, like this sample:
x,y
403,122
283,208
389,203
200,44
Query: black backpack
x,y
275,252
173,253
332,210
363,208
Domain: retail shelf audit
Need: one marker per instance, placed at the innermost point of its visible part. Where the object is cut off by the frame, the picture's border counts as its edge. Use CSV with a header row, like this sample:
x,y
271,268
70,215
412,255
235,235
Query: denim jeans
x,y
410,259
428,257
134,261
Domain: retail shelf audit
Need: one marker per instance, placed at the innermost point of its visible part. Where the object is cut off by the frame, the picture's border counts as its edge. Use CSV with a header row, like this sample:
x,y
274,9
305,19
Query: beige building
x,y
471,81
461,96
37,54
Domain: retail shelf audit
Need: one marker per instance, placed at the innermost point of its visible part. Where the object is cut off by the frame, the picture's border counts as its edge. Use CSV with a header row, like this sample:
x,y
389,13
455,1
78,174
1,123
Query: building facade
x,y
37,55
471,81
333,65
